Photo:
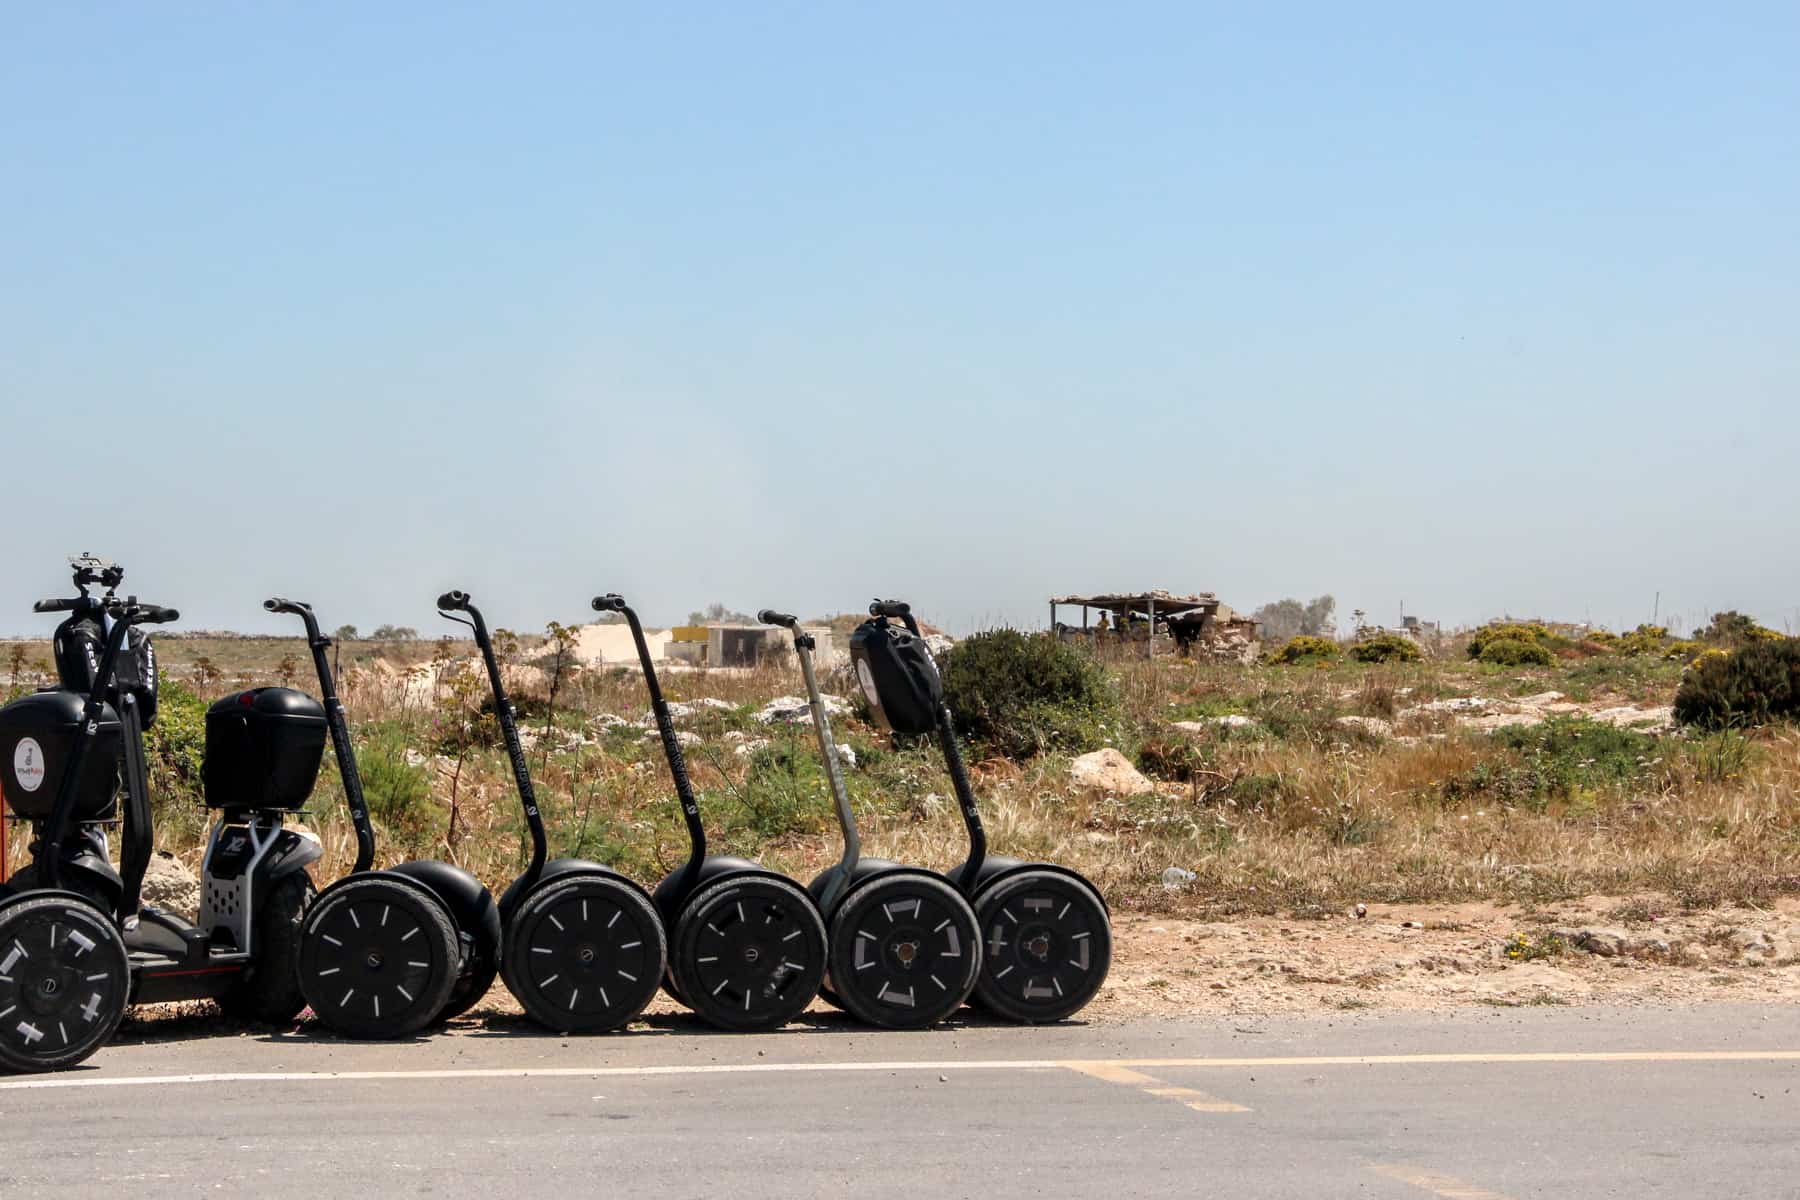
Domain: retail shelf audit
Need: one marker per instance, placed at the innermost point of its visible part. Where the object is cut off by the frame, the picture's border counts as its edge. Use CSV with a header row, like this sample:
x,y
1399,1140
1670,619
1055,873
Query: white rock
x,y
846,755
170,886
1374,726
794,710
683,737
1110,773
1208,724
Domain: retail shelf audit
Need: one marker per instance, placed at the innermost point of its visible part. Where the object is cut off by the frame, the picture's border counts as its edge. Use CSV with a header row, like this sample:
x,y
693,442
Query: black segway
x,y
583,949
1047,936
904,946
76,944
746,945
385,953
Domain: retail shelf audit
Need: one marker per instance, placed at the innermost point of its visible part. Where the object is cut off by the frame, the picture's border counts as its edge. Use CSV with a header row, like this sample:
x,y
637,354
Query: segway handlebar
x,y
278,604
897,609
454,602
769,616
611,602
132,612
49,606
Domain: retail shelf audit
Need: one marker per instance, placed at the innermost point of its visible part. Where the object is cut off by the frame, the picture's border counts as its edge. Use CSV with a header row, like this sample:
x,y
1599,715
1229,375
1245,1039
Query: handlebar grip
x,y
898,609
280,604
156,614
611,602
769,616
48,606
452,601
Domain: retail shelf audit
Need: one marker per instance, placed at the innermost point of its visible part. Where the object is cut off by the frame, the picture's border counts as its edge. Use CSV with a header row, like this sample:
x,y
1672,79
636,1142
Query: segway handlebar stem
x,y
834,771
458,602
665,727
953,758
337,722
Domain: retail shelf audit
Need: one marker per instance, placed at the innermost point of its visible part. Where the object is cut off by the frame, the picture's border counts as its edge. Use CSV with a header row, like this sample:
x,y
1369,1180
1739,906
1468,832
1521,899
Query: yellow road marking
x,y
1112,1072
1150,1085
1086,1066
1431,1181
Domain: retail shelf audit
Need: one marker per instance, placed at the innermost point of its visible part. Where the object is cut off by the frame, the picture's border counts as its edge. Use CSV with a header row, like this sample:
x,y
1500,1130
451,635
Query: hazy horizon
x,y
1482,312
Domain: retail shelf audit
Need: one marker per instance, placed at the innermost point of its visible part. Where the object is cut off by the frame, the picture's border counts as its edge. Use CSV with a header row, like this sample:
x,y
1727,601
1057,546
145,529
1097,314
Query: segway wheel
x,y
64,981
1046,946
905,950
585,953
378,957
748,952
270,992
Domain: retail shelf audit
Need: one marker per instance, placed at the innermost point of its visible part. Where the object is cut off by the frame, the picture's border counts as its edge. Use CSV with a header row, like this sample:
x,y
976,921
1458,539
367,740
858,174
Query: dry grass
x,y
1299,815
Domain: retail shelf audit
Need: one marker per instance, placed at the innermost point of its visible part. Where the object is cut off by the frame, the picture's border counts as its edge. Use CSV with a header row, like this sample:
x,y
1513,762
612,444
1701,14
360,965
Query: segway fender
x,y
993,870
469,902
294,850
677,886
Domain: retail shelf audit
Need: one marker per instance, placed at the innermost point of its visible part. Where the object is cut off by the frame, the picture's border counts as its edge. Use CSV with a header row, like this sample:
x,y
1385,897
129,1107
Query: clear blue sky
x,y
1483,308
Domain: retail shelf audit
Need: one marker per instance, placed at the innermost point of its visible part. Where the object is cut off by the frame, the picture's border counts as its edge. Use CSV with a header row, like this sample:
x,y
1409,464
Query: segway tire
x,y
1046,946
378,957
904,951
748,952
269,991
64,981
584,953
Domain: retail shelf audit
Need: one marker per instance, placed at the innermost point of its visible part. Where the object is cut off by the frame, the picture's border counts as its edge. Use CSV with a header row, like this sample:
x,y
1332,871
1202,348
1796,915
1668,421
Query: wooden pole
x,y
1152,643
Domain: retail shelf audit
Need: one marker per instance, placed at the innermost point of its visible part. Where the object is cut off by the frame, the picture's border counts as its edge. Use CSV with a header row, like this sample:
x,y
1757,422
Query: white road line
x,y
1085,1066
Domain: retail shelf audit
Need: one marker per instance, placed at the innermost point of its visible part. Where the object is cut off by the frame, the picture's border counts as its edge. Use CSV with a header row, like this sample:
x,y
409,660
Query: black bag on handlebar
x,y
77,646
897,676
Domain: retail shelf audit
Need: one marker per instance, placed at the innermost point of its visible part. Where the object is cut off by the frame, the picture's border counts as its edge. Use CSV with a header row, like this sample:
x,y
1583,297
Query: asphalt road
x,y
1474,1105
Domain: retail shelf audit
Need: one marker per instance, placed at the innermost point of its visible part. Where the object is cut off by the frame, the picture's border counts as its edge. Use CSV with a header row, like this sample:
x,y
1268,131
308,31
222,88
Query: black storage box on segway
x,y
897,676
263,749
36,734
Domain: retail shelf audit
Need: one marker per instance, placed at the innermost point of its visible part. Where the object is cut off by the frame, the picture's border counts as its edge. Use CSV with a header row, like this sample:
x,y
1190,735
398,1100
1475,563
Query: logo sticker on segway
x,y
28,764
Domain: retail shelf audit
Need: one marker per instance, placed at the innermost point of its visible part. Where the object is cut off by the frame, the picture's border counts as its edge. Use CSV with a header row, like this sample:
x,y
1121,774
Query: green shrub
x,y
1560,758
1515,652
1753,685
1529,632
398,794
1386,647
1645,640
1734,628
1027,694
1305,651
175,747
785,791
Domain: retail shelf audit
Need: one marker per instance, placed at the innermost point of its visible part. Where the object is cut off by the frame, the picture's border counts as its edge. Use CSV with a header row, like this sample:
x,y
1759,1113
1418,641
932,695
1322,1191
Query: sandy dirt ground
x,y
1597,951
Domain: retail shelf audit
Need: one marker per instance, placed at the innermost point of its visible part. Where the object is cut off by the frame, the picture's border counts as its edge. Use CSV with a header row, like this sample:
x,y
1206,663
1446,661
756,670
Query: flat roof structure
x,y
1148,605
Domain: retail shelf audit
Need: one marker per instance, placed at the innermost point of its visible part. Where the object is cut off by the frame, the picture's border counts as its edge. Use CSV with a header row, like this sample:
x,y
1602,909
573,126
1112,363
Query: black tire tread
x,y
438,928
20,907
684,945
515,947
269,992
843,933
988,995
